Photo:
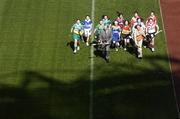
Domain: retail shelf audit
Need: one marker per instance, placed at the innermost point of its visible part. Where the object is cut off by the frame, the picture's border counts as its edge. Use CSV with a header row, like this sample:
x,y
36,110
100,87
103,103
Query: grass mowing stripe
x,y
22,43
172,80
37,38
125,70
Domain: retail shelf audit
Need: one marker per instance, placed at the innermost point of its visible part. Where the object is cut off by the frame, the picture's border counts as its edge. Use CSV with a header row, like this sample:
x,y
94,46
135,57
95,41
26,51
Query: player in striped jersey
x,y
126,34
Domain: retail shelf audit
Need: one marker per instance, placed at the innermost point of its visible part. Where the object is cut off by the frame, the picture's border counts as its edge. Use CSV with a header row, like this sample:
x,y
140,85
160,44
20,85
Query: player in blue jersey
x,y
116,32
87,25
76,31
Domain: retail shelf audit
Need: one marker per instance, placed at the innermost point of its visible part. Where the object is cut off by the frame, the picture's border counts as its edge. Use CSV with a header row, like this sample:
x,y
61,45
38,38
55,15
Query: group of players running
x,y
136,32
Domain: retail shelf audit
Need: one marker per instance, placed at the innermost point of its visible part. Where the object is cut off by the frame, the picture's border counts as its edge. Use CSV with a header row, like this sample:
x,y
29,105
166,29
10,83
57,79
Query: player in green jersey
x,y
106,21
76,31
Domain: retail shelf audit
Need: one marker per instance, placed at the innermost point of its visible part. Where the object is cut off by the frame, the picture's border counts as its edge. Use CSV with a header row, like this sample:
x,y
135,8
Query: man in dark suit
x,y
105,39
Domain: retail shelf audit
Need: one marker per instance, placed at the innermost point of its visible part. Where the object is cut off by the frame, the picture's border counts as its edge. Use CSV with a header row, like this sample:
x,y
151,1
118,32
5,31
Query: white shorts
x,y
87,32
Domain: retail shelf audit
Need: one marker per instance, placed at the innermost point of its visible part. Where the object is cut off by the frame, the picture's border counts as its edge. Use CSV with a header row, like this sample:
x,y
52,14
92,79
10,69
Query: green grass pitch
x,y
40,77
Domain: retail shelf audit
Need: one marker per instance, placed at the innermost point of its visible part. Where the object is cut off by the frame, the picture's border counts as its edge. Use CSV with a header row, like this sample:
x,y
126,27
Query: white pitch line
x,y
92,37
92,63
173,83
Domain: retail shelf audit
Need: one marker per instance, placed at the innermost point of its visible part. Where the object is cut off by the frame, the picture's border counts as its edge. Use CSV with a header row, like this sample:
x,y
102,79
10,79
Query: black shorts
x,y
150,36
126,36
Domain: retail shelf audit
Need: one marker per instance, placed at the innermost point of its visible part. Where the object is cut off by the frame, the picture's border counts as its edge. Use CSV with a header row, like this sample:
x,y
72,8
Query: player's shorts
x,y
115,38
87,32
76,36
126,36
150,36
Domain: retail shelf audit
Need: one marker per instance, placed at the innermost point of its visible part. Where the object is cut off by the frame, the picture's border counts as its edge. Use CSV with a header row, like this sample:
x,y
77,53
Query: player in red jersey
x,y
151,29
134,18
120,19
153,17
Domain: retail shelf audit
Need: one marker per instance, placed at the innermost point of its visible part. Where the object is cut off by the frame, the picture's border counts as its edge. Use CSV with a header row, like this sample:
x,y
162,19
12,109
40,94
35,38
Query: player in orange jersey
x,y
126,34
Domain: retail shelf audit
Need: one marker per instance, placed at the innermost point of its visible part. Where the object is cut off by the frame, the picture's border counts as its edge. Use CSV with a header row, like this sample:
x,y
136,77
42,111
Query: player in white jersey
x,y
134,18
151,29
140,23
87,23
139,35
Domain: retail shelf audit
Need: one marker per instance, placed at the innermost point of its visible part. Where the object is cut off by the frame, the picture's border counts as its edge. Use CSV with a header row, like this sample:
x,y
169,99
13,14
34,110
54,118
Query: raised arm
x,y
157,26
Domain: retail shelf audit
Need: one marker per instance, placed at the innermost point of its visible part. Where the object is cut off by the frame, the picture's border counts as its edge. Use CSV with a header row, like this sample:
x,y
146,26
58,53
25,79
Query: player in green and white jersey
x,y
106,21
98,29
77,31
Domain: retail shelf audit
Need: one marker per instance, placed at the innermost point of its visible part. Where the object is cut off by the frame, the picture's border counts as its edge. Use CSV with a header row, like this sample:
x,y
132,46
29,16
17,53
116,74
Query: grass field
x,y
40,77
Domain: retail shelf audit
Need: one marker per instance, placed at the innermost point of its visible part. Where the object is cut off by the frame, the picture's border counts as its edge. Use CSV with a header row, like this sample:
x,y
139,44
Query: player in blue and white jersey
x,y
87,25
116,32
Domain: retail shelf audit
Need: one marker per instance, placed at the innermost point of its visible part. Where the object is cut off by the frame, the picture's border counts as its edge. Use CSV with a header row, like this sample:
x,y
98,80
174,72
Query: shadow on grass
x,y
116,95
131,50
99,53
71,44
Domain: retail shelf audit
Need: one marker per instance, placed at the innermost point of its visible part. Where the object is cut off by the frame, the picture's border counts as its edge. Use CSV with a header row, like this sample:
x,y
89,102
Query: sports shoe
x,y
153,49
75,51
78,48
87,44
116,49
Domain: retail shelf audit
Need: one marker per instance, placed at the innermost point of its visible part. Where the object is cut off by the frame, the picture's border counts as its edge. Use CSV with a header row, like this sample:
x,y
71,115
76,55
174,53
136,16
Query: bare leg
x,y
152,45
75,45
